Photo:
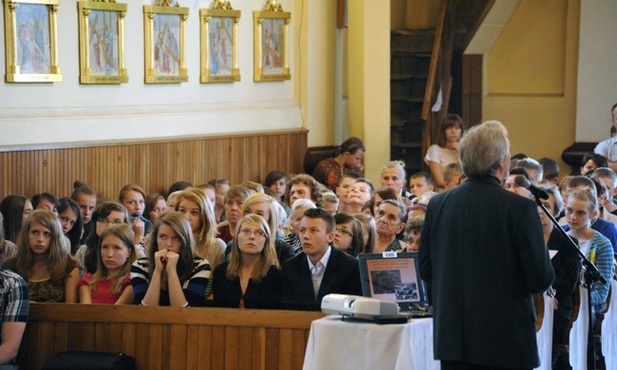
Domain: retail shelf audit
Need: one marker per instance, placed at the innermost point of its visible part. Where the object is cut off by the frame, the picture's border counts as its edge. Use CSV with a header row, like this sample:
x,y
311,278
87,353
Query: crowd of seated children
x,y
319,269
111,283
15,209
46,201
602,226
85,197
133,198
304,186
251,278
590,162
393,175
360,194
298,208
452,174
550,170
7,247
533,168
609,178
155,206
413,231
172,274
581,209
71,221
233,200
369,231
390,221
348,159
446,150
193,205
220,186
566,263
330,201
277,181
421,185
348,234
267,208
343,189
106,214
43,260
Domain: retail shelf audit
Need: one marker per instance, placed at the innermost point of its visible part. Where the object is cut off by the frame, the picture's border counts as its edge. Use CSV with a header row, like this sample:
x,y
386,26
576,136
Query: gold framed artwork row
x,y
31,42
101,42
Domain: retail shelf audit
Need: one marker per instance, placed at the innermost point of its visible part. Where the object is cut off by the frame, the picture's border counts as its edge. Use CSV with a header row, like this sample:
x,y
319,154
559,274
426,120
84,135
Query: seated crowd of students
x,y
281,245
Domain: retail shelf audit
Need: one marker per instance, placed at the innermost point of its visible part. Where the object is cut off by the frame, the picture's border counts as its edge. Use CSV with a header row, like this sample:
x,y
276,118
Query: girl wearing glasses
x,y
348,234
172,274
108,213
251,278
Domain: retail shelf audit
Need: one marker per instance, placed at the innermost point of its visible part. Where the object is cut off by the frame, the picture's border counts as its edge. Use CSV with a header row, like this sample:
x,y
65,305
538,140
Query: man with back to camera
x,y
320,269
482,249
14,308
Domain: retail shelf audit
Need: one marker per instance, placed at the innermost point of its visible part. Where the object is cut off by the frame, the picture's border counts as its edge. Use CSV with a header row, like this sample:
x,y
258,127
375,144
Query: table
x,y
355,344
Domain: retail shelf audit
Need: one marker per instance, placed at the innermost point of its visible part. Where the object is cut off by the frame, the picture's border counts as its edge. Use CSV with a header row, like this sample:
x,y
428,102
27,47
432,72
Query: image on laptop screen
x,y
393,277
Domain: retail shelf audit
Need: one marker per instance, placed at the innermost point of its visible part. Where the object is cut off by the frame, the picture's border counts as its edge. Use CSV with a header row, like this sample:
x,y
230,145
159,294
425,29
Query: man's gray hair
x,y
483,148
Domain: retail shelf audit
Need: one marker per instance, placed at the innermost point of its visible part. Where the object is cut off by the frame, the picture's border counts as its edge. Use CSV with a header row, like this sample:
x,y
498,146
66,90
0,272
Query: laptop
x,y
394,277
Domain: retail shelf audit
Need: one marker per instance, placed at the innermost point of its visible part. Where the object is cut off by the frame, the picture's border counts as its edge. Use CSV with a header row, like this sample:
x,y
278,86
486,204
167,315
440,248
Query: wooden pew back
x,y
170,338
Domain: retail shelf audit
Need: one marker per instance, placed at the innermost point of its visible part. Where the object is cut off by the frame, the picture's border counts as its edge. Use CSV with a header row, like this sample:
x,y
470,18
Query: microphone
x,y
536,191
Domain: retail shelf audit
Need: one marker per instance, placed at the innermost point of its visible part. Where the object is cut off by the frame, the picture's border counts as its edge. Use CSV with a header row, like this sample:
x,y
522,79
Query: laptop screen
x,y
393,277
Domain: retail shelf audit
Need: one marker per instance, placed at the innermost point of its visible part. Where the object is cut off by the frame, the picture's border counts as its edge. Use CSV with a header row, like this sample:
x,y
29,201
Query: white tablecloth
x,y
609,330
355,345
544,336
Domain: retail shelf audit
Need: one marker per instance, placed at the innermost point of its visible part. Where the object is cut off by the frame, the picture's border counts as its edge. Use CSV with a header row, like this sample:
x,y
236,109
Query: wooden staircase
x,y
421,65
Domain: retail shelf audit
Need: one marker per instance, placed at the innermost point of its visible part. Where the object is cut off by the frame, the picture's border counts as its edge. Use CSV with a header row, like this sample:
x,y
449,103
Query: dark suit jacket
x,y
265,294
483,250
342,276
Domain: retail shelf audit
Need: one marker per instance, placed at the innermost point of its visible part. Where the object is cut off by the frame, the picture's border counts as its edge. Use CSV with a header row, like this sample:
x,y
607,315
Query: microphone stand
x,y
591,275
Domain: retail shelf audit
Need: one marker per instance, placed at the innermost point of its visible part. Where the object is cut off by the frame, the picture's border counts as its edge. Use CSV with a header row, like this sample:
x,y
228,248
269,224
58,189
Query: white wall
x,y
67,113
597,80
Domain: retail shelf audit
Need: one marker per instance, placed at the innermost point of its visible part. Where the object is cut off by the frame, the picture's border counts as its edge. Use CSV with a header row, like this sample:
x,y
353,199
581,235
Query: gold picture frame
x,y
271,43
31,43
165,42
101,42
219,43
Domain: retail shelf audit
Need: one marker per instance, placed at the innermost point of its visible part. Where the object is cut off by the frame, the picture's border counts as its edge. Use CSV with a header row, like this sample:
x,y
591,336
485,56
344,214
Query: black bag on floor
x,y
77,360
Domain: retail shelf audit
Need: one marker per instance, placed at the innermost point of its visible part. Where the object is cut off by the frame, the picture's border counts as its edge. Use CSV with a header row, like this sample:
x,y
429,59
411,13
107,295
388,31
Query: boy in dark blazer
x,y
320,269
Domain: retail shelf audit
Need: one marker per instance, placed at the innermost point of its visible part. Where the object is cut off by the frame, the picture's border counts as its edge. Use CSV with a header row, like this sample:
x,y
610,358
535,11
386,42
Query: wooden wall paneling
x,y
115,339
272,348
285,346
178,346
142,345
61,336
299,340
155,347
204,348
247,347
232,348
218,348
153,165
101,338
193,348
46,336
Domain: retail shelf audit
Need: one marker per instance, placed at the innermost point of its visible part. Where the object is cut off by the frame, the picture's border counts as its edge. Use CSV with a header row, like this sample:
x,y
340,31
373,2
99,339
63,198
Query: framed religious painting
x,y
219,43
165,35
31,47
101,42
271,44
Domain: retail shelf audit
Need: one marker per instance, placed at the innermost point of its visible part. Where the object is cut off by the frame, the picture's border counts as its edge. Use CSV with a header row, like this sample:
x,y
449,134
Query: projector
x,y
357,306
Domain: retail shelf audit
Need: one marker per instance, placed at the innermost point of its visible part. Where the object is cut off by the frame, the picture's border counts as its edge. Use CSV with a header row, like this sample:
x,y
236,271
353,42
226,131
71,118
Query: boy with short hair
x,y
451,175
420,183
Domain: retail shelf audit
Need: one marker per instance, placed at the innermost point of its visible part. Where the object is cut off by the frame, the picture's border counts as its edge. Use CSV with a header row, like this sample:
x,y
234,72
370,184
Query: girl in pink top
x,y
111,283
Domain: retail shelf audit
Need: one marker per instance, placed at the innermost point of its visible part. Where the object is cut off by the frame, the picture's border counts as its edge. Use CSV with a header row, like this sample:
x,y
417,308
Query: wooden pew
x,y
170,338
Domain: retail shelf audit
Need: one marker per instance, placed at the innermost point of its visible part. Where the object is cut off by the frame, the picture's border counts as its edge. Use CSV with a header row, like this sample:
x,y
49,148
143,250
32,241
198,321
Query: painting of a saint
x,y
103,42
272,45
33,47
166,49
221,47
